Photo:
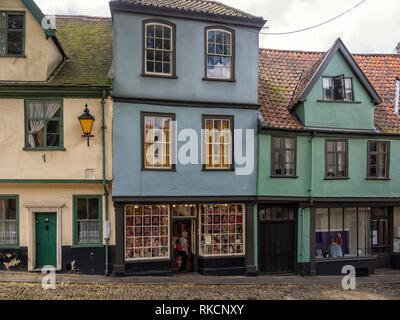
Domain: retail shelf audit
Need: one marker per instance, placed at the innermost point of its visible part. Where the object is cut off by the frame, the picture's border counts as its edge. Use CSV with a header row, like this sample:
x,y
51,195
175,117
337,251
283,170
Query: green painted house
x,y
329,144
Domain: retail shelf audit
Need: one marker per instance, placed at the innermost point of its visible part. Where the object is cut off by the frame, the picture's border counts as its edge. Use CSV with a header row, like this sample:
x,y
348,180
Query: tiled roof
x,y
87,42
283,74
208,7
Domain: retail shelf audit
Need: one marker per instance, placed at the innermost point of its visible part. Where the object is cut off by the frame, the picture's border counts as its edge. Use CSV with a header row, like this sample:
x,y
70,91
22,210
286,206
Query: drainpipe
x,y
311,191
312,222
106,194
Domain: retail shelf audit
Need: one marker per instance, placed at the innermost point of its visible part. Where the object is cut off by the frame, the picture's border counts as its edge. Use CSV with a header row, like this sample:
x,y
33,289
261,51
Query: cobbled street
x,y
34,291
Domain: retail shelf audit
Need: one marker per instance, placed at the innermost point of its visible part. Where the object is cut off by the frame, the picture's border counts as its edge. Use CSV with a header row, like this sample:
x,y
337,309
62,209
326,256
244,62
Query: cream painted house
x,y
55,189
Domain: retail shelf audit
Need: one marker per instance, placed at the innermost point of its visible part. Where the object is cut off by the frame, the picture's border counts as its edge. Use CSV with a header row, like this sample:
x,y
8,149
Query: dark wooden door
x,y
277,252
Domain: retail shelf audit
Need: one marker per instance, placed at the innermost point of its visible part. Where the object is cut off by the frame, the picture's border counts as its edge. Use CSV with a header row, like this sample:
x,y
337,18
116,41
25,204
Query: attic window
x,y
12,29
338,88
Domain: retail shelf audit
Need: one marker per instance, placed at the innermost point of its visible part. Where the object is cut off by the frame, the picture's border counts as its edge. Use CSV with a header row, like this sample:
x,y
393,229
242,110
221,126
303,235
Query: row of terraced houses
x,y
290,157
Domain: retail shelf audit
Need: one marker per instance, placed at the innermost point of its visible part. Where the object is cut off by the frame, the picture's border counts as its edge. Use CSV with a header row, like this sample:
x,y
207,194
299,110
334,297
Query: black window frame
x,y
340,91
335,152
282,151
377,153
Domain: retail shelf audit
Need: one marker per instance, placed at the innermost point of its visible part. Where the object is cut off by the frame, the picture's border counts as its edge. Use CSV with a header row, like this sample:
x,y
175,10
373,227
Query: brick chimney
x,y
398,48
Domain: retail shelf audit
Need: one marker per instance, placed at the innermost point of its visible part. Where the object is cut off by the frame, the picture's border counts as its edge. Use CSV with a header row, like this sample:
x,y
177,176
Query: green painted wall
x,y
268,186
337,115
356,186
303,251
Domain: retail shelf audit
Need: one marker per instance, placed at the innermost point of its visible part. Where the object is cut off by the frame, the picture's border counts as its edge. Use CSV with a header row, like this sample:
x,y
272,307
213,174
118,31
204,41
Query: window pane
x,y
8,222
364,234
15,22
94,209
396,232
327,88
88,232
81,209
322,233
350,233
15,42
336,229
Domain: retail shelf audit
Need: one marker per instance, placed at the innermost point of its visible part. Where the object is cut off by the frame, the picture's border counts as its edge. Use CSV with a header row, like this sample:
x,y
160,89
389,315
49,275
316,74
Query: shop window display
x,y
147,232
222,230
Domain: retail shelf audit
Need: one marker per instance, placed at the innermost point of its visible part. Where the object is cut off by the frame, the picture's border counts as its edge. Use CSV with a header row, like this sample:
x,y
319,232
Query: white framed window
x,y
218,142
222,230
147,232
158,141
219,53
159,48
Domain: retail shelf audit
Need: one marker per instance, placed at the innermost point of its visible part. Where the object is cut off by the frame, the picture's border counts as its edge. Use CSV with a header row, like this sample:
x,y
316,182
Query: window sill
x,y
6,247
284,177
220,80
218,170
343,259
45,149
13,56
159,76
339,101
148,260
160,169
80,246
338,178
378,179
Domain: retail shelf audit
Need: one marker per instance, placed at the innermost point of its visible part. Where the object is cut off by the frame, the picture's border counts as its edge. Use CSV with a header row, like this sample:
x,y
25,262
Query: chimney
x,y
397,96
398,48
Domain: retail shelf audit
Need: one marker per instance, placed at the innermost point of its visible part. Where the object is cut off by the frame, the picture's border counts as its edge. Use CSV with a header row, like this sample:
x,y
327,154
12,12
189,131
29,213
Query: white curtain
x,y
36,112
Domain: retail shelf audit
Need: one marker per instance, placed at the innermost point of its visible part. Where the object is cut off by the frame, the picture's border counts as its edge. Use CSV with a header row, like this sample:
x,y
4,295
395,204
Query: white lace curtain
x,y
37,110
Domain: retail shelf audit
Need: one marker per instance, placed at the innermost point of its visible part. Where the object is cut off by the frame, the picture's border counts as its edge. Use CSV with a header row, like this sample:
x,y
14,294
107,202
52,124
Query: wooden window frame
x,y
335,152
201,224
75,243
165,23
387,164
231,118
60,119
206,54
17,220
22,13
282,151
169,236
173,142
333,90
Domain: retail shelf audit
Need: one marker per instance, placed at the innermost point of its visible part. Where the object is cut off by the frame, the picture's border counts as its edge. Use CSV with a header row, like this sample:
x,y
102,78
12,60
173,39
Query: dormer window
x,y
12,26
219,54
159,48
338,88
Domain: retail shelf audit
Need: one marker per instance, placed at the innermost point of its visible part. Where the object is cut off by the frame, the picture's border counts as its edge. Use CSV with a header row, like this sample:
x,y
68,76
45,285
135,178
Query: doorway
x,y
381,235
46,239
184,239
277,240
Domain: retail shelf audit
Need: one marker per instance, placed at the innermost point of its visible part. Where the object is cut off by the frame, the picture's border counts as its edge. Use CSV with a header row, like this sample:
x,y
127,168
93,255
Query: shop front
x,y
365,237
164,238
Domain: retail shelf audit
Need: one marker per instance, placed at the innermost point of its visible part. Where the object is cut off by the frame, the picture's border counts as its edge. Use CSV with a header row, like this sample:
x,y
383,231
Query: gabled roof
x,y
88,44
313,75
282,74
39,16
195,9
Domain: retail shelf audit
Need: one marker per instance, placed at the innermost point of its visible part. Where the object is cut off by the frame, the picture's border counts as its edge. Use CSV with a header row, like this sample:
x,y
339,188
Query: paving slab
x,y
381,276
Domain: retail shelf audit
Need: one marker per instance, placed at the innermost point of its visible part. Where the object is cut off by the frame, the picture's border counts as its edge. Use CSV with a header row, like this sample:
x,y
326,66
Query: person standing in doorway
x,y
184,250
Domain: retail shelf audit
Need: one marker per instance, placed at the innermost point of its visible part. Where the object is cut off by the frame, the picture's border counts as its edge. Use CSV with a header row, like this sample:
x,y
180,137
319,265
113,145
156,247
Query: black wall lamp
x,y
86,120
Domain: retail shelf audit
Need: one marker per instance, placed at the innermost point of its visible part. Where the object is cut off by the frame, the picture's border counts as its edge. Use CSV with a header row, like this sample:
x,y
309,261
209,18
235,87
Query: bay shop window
x,y
342,232
221,229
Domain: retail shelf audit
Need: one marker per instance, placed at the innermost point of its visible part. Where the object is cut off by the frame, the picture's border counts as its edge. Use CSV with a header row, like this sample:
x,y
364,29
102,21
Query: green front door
x,y
46,239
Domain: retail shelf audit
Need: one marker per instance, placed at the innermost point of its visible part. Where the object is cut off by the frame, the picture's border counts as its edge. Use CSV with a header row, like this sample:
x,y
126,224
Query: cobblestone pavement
x,y
70,291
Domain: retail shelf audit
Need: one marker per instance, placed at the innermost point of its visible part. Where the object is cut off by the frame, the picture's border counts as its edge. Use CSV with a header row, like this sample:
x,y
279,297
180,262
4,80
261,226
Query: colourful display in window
x,y
147,232
222,229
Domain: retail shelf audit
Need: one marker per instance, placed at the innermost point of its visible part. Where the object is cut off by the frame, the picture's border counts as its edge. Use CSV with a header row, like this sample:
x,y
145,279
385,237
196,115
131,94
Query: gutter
x,y
106,193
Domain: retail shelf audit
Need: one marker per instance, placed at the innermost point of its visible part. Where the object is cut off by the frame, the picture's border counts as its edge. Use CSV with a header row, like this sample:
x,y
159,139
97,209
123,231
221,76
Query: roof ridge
x,y
67,16
323,52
